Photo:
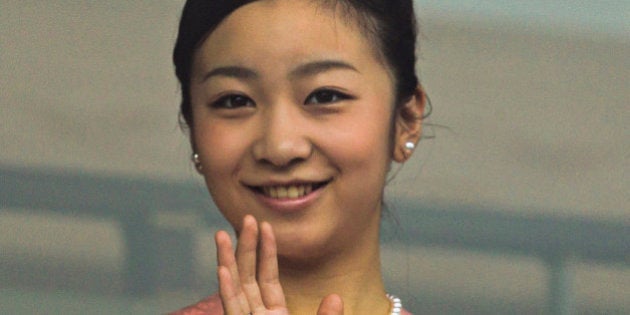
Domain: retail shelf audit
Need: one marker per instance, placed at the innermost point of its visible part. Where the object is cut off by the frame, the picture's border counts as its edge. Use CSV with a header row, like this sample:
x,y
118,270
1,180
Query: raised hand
x,y
249,284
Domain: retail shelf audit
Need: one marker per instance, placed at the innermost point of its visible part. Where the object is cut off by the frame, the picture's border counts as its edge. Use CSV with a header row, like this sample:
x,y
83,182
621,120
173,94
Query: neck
x,y
355,275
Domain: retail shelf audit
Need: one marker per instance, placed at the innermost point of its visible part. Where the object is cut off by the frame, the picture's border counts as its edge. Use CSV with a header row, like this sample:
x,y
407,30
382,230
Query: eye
x,y
233,101
326,96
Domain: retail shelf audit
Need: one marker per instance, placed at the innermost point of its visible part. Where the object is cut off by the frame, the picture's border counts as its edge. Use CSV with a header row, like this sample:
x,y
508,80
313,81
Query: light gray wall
x,y
534,100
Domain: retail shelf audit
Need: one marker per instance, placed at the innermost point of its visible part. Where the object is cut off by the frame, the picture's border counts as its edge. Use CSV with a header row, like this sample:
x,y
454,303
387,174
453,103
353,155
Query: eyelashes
x,y
326,96
322,96
233,101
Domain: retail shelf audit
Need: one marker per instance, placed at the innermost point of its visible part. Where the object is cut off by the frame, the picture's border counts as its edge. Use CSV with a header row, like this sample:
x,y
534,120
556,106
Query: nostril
x,y
281,163
282,153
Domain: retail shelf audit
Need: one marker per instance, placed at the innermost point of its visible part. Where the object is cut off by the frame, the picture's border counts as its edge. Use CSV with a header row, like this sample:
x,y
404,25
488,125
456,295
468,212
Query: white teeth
x,y
271,192
287,192
282,192
293,192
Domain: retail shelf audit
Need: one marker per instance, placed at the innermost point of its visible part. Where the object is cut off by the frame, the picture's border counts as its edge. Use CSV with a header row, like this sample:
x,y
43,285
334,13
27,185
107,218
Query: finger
x,y
225,258
331,305
227,291
268,279
246,260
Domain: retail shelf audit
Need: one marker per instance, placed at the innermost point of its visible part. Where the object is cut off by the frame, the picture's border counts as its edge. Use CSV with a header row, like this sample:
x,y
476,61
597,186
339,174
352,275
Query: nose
x,y
283,141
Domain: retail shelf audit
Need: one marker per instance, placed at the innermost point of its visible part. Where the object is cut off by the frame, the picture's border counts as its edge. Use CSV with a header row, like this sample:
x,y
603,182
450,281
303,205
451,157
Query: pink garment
x,y
212,306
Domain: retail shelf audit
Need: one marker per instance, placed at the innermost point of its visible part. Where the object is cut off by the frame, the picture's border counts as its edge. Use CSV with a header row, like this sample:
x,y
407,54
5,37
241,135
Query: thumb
x,y
331,305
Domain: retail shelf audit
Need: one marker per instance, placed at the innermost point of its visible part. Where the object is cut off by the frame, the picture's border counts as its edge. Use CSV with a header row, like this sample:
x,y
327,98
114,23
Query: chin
x,y
303,250
302,260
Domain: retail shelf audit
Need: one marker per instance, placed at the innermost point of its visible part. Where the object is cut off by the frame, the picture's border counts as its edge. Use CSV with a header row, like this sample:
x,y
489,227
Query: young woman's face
x,y
291,120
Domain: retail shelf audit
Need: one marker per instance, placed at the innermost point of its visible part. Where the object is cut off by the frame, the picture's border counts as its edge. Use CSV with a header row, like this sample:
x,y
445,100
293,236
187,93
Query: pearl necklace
x,y
396,304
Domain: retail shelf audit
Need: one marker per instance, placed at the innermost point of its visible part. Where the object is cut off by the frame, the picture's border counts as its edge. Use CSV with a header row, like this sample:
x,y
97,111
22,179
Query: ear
x,y
408,124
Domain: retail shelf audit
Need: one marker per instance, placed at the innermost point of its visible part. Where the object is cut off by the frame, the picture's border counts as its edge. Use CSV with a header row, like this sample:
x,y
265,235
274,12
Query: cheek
x,y
222,153
364,140
359,147
360,151
220,148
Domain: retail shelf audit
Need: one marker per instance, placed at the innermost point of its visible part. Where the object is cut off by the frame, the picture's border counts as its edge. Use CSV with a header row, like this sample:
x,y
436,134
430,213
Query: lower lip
x,y
287,205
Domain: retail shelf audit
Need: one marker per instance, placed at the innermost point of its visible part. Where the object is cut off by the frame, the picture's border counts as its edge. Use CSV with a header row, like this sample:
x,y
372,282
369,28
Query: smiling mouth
x,y
292,191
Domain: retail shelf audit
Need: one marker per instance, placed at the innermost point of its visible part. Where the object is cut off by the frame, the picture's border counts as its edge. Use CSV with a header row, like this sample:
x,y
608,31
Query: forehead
x,y
290,30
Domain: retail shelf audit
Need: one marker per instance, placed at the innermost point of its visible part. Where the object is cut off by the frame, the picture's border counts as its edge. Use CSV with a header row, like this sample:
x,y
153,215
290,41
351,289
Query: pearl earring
x,y
197,162
410,145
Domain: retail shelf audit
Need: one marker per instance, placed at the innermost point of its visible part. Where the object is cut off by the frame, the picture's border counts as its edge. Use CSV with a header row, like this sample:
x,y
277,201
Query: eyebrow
x,y
316,67
232,72
304,70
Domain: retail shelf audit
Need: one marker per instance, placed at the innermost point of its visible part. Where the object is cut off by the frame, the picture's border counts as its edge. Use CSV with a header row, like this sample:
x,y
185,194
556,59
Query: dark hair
x,y
390,24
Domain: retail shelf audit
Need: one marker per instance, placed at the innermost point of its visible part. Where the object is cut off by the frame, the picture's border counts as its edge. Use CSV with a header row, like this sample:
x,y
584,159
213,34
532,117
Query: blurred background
x,y
518,205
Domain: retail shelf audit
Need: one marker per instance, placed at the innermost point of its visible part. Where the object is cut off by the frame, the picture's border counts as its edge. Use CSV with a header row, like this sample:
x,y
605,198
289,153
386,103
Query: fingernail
x,y
248,219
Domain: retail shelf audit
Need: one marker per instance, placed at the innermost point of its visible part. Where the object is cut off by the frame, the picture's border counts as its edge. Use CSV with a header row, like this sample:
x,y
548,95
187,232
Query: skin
x,y
284,92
